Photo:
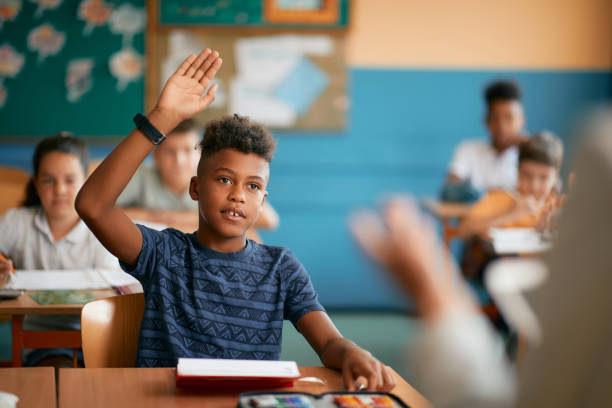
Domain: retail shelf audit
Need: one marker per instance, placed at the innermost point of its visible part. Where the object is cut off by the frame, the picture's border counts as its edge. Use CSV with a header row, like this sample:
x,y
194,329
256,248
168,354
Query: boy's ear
x,y
194,188
263,201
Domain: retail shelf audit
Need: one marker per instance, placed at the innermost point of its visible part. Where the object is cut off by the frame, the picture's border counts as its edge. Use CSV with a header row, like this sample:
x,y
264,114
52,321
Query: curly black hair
x,y
240,133
503,90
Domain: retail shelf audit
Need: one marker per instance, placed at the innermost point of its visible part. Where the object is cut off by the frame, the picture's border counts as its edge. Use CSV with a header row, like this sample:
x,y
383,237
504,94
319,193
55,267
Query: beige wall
x,y
540,34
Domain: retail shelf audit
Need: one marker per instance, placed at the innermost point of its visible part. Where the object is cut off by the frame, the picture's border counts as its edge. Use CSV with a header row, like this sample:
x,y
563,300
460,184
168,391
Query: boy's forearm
x,y
332,355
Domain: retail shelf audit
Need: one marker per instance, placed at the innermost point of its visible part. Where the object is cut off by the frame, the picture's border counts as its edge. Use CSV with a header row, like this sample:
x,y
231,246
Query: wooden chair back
x,y
110,329
12,187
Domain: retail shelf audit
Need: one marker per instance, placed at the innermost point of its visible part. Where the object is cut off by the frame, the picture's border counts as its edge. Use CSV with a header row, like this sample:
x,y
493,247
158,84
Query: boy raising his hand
x,y
214,293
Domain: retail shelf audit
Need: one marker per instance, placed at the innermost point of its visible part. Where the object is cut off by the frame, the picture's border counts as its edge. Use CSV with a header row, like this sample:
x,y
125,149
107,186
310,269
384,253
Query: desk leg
x,y
17,339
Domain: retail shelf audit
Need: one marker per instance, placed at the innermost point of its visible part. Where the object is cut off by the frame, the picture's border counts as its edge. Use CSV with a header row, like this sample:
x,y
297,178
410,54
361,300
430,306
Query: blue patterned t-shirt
x,y
209,304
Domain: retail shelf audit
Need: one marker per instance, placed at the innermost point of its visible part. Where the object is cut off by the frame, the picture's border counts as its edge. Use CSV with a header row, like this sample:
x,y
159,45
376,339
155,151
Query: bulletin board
x,y
309,94
329,14
313,90
56,70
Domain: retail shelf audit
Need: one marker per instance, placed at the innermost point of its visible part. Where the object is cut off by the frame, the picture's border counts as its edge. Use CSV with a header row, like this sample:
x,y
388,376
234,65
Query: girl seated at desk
x,y
46,232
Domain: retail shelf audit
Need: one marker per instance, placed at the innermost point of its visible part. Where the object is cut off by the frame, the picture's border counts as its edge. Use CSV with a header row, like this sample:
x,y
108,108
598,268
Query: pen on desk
x,y
6,259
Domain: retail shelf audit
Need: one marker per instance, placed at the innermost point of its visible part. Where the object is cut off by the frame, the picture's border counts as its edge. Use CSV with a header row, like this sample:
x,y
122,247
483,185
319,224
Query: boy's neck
x,y
218,243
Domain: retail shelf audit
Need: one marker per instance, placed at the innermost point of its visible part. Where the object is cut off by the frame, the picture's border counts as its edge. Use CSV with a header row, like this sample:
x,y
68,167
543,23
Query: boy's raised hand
x,y
183,95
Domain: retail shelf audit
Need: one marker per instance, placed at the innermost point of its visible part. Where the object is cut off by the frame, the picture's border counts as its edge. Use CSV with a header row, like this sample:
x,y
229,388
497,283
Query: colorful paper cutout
x,y
45,5
11,61
303,86
9,9
95,13
78,78
126,65
127,20
46,40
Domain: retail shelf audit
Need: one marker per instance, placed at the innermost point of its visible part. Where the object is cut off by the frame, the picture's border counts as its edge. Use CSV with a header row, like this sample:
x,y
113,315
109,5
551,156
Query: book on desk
x,y
203,372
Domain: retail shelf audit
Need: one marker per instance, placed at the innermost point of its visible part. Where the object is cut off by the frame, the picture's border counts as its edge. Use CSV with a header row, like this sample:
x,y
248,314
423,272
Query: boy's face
x,y
177,160
505,121
536,179
230,189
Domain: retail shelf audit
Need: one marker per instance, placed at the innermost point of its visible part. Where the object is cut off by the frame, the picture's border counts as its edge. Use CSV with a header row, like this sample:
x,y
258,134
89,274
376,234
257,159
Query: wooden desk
x,y
35,386
147,387
25,305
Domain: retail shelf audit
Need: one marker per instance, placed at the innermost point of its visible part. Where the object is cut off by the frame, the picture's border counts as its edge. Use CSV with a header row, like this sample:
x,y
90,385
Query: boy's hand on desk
x,y
183,95
361,368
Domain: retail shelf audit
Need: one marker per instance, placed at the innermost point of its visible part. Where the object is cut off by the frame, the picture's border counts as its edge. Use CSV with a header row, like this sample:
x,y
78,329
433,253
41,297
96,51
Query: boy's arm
x,y
479,225
182,97
337,352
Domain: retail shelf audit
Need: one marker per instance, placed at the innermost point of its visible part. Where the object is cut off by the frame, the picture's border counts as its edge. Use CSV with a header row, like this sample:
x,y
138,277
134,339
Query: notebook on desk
x,y
200,372
77,279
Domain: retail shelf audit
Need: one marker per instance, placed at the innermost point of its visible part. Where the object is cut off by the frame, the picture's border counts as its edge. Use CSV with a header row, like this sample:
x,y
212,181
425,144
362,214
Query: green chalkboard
x,y
36,102
232,13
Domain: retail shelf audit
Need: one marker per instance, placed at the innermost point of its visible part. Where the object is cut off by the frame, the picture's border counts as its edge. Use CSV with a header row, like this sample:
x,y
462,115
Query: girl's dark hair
x,y
63,142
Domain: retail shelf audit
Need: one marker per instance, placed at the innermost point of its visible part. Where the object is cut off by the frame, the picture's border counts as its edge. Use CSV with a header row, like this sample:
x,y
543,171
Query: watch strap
x,y
146,127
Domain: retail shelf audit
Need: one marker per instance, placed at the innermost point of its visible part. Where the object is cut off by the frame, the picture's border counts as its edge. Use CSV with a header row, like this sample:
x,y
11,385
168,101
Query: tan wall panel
x,y
540,34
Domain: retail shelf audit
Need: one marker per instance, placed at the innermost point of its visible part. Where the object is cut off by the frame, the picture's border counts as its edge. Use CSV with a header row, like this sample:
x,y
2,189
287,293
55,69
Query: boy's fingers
x,y
210,73
208,97
193,69
185,65
204,65
349,381
374,380
388,381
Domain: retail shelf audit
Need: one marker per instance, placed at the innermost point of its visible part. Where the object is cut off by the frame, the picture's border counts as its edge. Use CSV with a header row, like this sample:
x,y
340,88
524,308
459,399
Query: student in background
x,y
47,233
478,166
539,160
159,193
456,355
530,205
214,293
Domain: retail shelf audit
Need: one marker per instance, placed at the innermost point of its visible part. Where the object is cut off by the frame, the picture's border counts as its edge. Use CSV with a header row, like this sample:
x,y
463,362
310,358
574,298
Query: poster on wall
x,y
285,81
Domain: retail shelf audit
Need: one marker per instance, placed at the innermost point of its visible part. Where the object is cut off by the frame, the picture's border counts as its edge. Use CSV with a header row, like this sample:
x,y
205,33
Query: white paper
x,y
517,240
116,277
260,106
236,368
58,280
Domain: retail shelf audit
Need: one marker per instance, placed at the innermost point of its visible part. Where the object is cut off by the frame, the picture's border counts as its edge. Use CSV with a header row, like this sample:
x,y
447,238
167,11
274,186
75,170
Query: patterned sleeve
x,y
300,296
153,249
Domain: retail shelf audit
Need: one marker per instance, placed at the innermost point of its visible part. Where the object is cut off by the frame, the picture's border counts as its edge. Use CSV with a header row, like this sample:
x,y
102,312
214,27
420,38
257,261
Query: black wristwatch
x,y
148,129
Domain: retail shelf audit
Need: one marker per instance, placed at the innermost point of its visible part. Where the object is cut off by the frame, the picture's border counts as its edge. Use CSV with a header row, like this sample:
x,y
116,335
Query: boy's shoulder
x,y
258,253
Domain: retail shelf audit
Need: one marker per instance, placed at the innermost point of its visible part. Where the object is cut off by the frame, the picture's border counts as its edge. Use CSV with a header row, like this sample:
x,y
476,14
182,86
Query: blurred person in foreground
x,y
456,355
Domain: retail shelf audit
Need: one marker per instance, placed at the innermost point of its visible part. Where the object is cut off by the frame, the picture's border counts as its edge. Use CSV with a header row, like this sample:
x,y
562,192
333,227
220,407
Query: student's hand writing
x,y
183,95
6,266
405,243
361,368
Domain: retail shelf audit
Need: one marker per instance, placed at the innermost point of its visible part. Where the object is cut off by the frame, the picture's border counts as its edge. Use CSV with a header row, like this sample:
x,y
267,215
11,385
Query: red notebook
x,y
201,372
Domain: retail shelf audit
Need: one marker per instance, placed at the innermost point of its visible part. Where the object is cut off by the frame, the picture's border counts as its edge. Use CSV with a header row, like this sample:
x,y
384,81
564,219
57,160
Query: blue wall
x,y
402,128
